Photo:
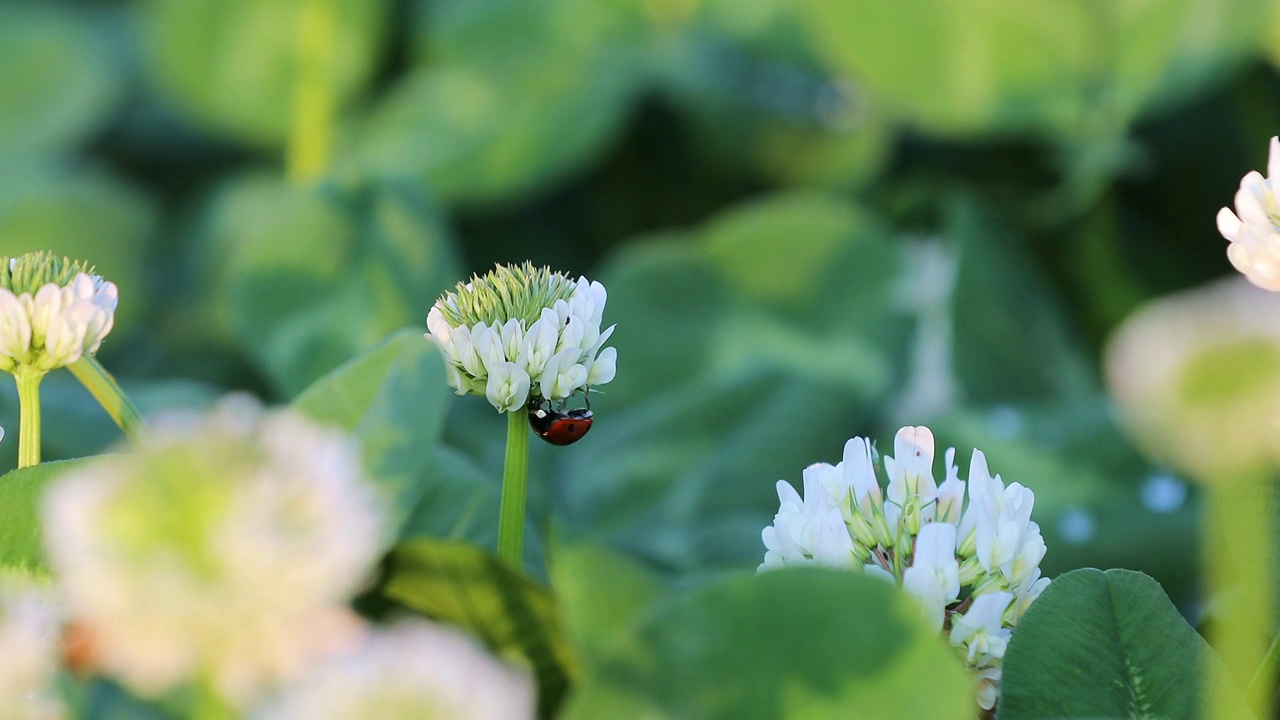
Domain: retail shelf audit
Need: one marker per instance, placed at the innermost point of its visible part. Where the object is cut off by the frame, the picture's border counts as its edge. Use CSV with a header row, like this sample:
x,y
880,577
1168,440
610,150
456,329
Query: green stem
x,y
28,381
1264,679
311,135
107,392
514,483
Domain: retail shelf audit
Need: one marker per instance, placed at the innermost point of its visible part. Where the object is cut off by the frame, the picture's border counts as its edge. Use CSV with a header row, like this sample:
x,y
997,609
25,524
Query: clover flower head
x,y
29,621
224,551
1254,228
520,330
1195,378
974,568
53,310
412,670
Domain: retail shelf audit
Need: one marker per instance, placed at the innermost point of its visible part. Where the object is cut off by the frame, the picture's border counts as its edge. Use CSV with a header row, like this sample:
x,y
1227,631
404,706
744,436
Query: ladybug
x,y
557,426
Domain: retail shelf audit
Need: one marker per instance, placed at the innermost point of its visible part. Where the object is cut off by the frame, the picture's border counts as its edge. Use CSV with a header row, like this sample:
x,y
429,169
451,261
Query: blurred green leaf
x,y
392,399
1106,644
1074,67
1011,336
471,136
469,587
57,83
602,595
312,276
800,280
231,64
460,502
771,116
20,493
787,644
82,213
685,480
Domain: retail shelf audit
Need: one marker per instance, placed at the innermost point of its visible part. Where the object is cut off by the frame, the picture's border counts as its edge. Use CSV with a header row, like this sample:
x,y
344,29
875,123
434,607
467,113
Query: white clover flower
x,y
519,330
1254,228
410,671
29,622
1195,377
53,310
224,551
974,569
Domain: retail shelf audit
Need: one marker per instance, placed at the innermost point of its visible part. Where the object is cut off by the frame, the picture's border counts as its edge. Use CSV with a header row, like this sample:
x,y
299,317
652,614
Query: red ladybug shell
x,y
560,428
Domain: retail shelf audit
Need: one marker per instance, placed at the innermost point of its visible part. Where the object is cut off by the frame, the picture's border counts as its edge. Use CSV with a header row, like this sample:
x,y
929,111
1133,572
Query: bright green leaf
x,y
20,493
1106,644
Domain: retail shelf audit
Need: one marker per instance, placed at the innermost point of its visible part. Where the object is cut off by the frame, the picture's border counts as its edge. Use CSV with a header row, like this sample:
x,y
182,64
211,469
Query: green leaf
x,y
1106,644
460,502
801,281
1006,66
313,276
786,644
85,214
473,136
603,595
392,399
20,493
1012,338
231,64
57,82
469,587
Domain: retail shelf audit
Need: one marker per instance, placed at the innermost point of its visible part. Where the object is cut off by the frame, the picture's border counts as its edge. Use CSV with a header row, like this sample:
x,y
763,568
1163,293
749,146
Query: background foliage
x,y
815,219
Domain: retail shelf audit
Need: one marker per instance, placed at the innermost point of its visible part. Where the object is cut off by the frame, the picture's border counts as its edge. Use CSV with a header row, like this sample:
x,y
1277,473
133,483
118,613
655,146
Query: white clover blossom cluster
x,y
53,310
408,671
1254,228
224,552
973,568
519,330
29,622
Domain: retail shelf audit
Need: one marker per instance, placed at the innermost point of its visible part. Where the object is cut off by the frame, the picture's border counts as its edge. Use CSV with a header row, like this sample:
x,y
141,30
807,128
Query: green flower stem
x,y
1237,556
1264,679
107,392
514,484
310,140
28,381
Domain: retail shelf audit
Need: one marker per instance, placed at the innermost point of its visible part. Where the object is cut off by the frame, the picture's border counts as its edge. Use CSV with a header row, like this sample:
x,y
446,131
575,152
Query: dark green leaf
x,y
1106,644
803,643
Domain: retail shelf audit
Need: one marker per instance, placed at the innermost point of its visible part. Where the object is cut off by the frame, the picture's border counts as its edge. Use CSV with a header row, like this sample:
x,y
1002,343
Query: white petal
x,y
15,326
1228,224
1273,158
508,387
604,368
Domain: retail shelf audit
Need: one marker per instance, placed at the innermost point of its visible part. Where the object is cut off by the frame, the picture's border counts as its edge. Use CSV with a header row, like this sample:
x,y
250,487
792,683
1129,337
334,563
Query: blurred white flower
x,y
1195,377
409,671
519,330
1254,228
29,622
224,551
974,569
53,310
